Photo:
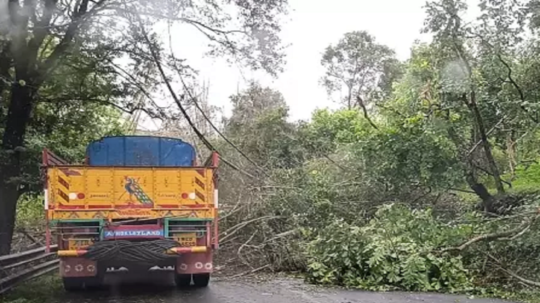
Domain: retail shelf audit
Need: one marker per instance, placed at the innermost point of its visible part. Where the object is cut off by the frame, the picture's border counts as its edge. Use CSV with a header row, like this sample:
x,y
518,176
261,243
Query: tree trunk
x,y
511,151
485,143
19,112
8,197
349,97
5,64
479,189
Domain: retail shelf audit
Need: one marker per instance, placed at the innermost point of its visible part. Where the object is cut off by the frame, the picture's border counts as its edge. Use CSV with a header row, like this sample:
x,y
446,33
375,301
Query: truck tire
x,y
93,282
182,280
73,284
201,280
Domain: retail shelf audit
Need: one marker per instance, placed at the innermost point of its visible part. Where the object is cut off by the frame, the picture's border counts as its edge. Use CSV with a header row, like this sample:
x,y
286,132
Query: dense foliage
x,y
395,249
428,184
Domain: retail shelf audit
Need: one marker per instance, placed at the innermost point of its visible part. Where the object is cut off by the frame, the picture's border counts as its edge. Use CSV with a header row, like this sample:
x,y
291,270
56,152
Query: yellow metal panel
x,y
167,187
79,192
97,186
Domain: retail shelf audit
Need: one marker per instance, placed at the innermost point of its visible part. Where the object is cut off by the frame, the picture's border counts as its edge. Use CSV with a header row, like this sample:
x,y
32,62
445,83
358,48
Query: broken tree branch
x,y
364,110
525,225
487,134
233,230
498,264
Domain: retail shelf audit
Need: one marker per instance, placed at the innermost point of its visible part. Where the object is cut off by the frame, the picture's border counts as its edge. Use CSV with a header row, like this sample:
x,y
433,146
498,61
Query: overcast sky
x,y
311,26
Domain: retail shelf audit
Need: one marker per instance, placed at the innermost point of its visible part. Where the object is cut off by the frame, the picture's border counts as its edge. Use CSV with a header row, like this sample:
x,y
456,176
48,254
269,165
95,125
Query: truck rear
x,y
138,202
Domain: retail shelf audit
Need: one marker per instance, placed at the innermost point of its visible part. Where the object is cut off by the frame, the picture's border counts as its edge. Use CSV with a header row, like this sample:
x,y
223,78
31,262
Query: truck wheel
x,y
73,284
201,280
93,282
182,280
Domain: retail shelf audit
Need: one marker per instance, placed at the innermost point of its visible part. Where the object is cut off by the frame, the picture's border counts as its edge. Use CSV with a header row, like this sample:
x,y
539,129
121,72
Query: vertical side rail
x,y
215,163
44,171
49,159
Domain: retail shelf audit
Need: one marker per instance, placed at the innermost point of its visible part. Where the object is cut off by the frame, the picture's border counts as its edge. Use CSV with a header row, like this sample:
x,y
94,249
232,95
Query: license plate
x,y
187,239
75,244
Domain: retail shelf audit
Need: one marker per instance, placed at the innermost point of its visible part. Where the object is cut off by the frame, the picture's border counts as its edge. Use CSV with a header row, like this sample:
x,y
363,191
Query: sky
x,y
309,28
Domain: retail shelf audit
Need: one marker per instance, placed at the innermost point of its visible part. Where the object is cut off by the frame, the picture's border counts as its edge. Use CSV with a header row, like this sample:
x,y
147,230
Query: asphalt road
x,y
279,290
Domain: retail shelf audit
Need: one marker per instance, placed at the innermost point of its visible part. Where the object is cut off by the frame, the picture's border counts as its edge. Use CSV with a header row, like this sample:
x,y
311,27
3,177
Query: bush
x,y
30,211
395,250
527,178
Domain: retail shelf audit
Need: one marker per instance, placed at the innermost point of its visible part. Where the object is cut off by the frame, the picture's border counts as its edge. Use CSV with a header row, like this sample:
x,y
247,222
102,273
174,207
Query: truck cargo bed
x,y
90,192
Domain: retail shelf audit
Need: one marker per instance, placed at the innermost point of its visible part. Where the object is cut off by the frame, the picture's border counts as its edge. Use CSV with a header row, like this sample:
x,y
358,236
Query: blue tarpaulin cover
x,y
140,151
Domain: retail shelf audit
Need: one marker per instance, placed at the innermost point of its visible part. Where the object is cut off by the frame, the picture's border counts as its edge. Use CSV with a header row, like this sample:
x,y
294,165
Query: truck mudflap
x,y
195,263
78,267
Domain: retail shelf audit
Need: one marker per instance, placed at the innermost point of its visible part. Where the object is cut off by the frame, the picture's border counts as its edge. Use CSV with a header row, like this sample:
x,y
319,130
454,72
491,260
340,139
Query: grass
x,y
41,290
526,181
527,178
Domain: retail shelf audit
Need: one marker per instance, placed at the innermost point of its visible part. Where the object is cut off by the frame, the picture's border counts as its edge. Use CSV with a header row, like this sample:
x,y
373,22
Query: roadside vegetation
x,y
426,179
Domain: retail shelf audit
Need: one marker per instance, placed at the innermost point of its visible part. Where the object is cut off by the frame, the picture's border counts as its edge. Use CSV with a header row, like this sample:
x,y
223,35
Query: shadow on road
x,y
150,287
158,287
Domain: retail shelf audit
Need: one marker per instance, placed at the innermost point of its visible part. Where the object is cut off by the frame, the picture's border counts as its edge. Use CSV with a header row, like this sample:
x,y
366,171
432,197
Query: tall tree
x,y
259,126
39,37
252,103
360,68
468,85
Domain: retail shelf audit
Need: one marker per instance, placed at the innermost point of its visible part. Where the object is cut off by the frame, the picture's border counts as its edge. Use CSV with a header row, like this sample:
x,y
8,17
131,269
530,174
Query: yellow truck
x,y
137,202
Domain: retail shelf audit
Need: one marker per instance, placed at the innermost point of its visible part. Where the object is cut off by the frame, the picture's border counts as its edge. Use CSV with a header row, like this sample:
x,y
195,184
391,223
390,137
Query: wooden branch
x,y
80,14
102,102
477,165
390,109
195,23
462,190
487,134
493,236
526,229
362,105
128,76
41,29
251,271
281,235
517,87
239,252
513,274
233,230
30,237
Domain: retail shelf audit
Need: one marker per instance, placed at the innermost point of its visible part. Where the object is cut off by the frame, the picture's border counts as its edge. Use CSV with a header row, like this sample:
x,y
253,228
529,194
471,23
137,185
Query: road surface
x,y
247,290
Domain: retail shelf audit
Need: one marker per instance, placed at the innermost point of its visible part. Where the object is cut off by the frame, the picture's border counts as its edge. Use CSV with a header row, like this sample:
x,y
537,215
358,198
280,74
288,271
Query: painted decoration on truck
x,y
133,188
134,213
131,213
132,233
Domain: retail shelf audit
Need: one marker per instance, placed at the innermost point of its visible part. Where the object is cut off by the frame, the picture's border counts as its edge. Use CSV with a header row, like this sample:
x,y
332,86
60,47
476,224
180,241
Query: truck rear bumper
x,y
189,261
